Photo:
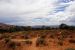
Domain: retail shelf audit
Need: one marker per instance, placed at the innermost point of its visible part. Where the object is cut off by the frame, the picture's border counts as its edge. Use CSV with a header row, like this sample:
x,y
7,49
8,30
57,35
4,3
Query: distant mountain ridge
x,y
5,26
2,25
13,28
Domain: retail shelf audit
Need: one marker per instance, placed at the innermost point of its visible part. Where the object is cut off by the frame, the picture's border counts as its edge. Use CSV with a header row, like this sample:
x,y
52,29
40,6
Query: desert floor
x,y
38,40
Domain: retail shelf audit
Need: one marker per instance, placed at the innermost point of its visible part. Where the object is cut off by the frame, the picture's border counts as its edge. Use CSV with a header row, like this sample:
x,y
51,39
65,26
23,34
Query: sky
x,y
37,12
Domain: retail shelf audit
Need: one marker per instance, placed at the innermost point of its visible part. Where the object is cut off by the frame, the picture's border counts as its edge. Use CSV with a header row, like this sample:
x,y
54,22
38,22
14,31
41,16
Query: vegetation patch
x,y
70,49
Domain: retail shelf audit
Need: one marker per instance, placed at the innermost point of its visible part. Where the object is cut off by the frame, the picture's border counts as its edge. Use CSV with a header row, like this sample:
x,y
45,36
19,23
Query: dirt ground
x,y
51,41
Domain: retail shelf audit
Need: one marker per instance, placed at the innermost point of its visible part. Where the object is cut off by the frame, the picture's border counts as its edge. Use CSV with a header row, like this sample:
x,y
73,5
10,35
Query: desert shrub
x,y
70,49
71,36
72,41
17,43
5,36
28,42
12,45
62,36
7,40
26,36
60,43
1,37
51,36
43,36
41,42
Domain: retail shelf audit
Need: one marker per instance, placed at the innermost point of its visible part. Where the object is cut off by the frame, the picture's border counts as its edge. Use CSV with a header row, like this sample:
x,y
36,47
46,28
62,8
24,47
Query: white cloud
x,y
23,12
67,16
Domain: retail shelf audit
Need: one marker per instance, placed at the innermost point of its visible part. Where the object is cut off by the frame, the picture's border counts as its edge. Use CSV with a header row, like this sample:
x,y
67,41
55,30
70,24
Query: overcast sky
x,y
37,12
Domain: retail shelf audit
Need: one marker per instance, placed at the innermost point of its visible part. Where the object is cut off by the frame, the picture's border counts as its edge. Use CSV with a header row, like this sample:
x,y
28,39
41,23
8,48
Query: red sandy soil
x,y
52,43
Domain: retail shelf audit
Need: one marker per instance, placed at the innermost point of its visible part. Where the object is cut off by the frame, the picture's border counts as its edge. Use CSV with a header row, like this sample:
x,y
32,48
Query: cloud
x,y
37,12
65,14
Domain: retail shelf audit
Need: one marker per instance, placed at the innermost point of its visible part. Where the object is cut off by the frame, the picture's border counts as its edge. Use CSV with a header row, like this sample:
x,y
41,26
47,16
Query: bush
x,y
41,42
72,41
63,26
71,36
43,36
70,49
62,36
28,42
7,40
52,36
12,45
26,36
60,43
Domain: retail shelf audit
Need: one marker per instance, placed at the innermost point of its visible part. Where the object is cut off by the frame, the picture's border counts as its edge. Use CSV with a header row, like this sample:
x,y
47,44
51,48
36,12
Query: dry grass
x,y
38,40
